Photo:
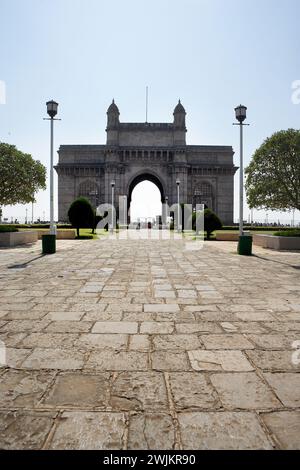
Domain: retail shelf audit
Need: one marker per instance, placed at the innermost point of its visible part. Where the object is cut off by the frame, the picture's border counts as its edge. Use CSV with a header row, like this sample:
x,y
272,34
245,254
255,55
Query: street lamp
x,y
167,210
178,204
49,241
112,203
52,112
52,108
241,114
124,208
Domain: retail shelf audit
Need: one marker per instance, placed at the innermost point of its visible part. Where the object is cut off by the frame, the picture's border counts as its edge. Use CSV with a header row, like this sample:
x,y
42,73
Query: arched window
x,y
90,190
205,189
203,194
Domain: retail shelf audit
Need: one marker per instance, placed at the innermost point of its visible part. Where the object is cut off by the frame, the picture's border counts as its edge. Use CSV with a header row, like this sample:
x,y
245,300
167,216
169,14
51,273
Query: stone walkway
x,y
142,344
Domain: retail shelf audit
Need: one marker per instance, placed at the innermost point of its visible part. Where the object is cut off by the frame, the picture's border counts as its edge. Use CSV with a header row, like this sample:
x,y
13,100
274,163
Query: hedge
x,y
7,228
288,233
37,226
257,227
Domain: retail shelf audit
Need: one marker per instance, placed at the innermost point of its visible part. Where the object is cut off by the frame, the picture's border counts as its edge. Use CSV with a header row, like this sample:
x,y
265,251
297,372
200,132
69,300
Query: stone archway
x,y
157,151
139,178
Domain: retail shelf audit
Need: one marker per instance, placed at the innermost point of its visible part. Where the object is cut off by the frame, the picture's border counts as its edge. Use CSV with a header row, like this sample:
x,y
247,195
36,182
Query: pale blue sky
x,y
213,54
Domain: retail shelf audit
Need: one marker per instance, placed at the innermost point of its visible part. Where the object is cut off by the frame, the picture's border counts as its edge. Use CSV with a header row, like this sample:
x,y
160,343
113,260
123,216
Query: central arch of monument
x,y
145,175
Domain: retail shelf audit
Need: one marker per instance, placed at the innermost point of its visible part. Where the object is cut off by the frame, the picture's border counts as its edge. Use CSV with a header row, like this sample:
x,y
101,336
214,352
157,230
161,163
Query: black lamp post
x,y
241,114
49,241
52,112
178,203
113,183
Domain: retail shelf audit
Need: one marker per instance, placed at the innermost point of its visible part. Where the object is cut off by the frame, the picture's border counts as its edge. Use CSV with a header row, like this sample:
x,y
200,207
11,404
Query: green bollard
x,y
48,244
245,245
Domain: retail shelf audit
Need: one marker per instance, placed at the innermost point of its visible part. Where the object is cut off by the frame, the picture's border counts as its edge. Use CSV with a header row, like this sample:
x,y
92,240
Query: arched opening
x,y
145,198
145,203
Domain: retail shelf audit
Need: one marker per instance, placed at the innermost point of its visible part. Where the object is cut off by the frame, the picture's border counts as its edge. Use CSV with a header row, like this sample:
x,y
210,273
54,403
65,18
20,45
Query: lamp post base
x,y
49,244
245,245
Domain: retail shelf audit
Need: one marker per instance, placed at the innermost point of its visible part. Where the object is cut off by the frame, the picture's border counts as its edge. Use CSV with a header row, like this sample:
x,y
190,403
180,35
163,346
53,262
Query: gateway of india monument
x,y
157,152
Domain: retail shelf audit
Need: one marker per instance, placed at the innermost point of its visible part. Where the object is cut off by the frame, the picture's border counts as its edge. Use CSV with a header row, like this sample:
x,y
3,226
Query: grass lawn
x,y
87,232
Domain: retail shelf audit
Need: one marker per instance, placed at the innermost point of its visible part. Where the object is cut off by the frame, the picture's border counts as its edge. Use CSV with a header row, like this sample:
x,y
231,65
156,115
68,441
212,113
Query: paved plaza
x,y
143,344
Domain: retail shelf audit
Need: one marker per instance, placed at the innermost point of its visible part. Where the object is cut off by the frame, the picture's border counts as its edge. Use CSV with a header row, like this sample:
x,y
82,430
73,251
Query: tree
x,y
81,214
211,222
273,175
20,176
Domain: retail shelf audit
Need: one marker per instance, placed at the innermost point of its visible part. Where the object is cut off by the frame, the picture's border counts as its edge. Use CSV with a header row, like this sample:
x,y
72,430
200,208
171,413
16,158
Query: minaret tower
x,y
113,122
179,124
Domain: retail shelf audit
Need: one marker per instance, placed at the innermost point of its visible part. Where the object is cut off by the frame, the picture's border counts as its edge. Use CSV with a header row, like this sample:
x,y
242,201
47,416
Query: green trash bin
x,y
245,245
49,244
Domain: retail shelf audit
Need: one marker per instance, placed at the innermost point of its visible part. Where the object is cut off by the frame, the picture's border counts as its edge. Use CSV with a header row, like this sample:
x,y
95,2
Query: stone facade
x,y
147,151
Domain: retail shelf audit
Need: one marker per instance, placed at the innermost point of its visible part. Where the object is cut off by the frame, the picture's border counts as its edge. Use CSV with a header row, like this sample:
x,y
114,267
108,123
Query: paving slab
x,y
24,430
192,391
78,390
139,391
89,430
222,430
47,358
219,360
229,341
117,361
94,341
151,431
286,386
24,389
244,390
115,327
285,426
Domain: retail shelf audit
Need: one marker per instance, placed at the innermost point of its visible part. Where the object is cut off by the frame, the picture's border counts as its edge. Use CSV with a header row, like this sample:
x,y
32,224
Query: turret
x,y
113,122
113,116
179,115
179,124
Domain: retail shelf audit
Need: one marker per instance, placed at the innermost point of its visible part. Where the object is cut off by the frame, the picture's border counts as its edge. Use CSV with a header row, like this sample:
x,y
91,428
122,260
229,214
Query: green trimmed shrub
x,y
84,237
40,226
288,233
36,226
81,214
211,222
7,228
256,228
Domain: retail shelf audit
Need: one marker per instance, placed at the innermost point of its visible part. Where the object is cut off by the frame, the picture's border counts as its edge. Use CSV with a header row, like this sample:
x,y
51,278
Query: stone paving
x,y
142,344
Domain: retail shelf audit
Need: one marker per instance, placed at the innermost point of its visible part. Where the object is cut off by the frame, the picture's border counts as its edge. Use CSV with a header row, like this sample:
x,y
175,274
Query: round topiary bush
x,y
81,214
211,222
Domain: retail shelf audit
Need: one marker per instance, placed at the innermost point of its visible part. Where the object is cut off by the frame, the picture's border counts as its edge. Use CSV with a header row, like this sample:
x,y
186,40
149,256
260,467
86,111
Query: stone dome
x,y
113,108
179,108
